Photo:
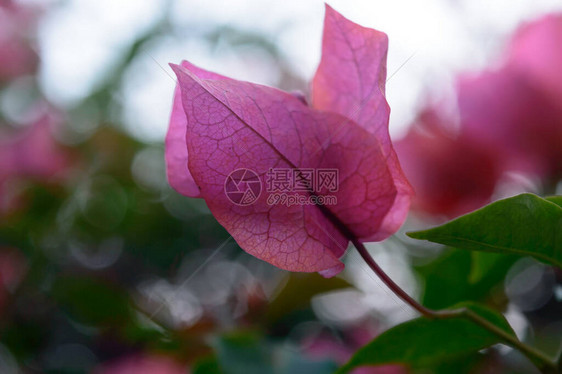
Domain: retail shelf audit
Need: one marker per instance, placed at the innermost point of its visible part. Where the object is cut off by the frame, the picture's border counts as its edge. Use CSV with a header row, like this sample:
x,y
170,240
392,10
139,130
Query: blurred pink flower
x,y
17,28
142,365
510,120
506,112
451,173
29,154
517,109
535,50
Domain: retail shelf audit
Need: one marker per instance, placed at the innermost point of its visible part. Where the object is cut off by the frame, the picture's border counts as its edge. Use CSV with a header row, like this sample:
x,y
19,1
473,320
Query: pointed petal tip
x,y
186,72
185,68
336,16
176,68
330,11
184,64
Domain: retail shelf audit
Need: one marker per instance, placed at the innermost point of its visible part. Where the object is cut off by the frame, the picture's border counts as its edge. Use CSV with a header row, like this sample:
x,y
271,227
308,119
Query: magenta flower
x,y
535,51
510,120
451,173
517,109
227,139
29,154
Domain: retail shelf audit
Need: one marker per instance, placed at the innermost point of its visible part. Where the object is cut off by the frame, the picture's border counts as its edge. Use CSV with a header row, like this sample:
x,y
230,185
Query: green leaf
x,y
422,342
207,365
446,279
457,275
524,225
484,263
487,276
555,199
469,364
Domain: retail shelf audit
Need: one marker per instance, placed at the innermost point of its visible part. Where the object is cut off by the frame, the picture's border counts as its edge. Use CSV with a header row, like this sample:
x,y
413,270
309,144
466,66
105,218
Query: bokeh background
x,y
105,269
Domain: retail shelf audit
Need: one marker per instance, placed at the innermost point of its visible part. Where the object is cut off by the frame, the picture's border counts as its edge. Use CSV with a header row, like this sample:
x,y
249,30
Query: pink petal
x,y
179,176
508,113
178,173
234,125
451,173
535,51
350,80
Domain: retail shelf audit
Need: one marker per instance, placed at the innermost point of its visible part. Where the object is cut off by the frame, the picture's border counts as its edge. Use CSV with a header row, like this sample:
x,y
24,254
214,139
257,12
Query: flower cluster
x,y
509,120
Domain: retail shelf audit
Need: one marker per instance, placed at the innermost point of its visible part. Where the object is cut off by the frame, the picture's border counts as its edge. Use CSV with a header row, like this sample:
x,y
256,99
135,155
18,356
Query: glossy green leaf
x,y
422,343
525,225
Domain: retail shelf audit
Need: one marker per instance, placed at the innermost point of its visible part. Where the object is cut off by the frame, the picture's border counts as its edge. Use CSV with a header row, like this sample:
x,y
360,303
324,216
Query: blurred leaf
x,y
555,199
104,204
523,225
421,343
207,365
458,275
36,217
483,264
446,279
487,274
91,301
24,339
243,353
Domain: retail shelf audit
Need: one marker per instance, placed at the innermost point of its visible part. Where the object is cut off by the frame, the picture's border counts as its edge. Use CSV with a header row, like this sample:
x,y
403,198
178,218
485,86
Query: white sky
x,y
80,40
